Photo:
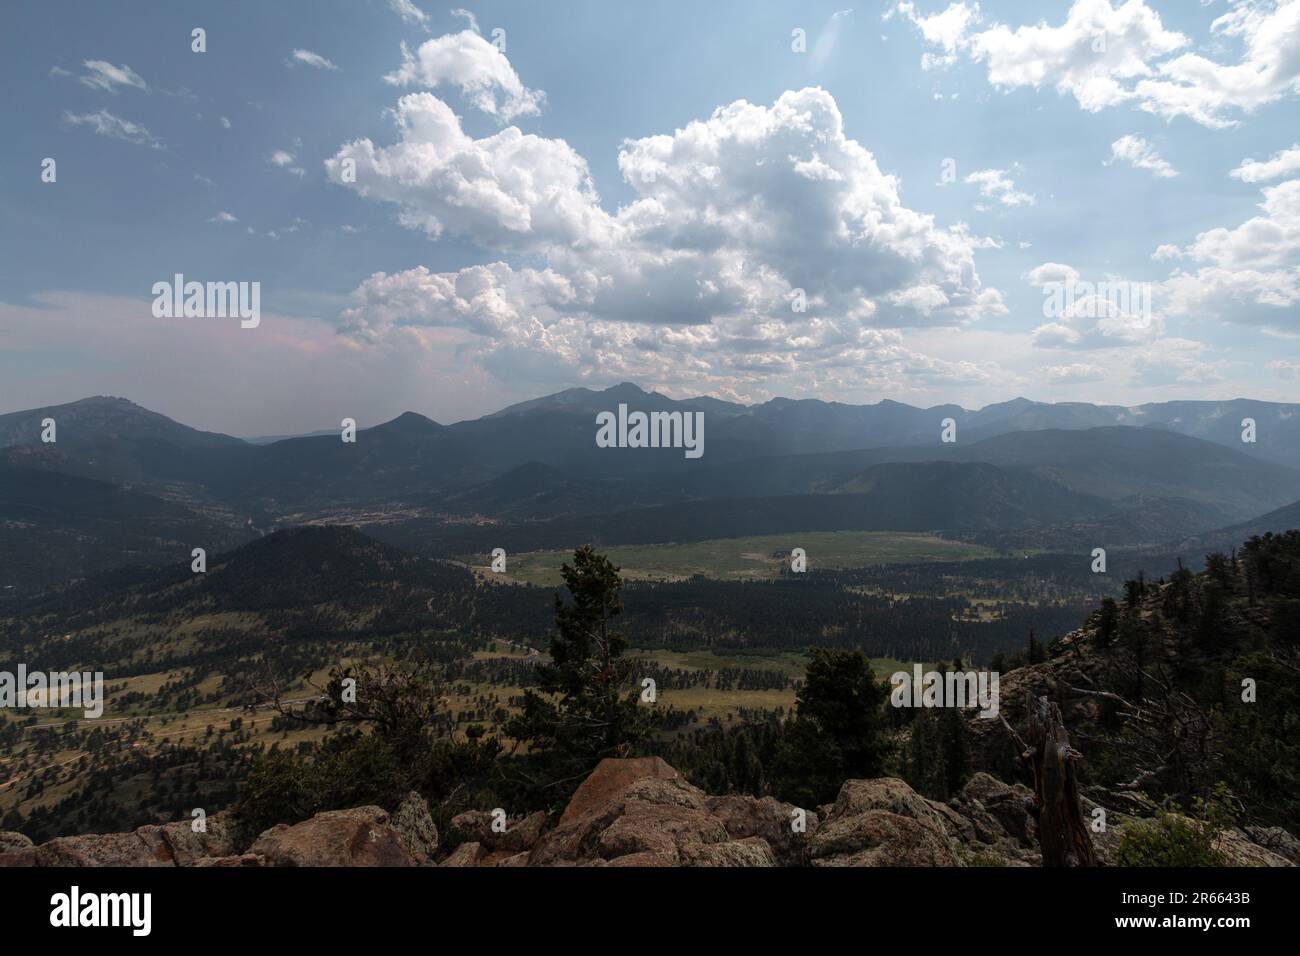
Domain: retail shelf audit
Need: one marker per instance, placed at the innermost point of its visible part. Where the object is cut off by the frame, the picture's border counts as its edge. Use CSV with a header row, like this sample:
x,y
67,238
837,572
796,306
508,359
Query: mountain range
x,y
123,484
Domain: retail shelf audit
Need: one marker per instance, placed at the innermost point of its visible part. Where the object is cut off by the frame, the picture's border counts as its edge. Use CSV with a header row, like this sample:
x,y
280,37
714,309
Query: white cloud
x,y
225,123
1137,152
1177,362
511,189
693,280
946,29
1247,274
106,124
1105,55
997,185
409,12
1206,91
481,72
1283,163
1085,315
285,160
308,58
1077,372
223,217
107,77
1052,272
469,18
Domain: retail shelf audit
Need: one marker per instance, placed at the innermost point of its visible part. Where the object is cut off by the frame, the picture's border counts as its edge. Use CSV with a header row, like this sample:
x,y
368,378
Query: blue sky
x,y
920,170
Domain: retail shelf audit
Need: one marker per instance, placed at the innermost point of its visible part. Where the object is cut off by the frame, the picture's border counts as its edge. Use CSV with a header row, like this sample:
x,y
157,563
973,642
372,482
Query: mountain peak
x,y
630,389
411,423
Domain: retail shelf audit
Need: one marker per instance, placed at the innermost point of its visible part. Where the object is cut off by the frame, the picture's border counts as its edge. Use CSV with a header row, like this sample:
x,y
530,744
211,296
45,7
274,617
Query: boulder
x,y
655,813
879,838
104,849
886,793
1239,849
1276,840
187,847
10,841
1008,804
467,854
610,778
751,851
519,835
768,818
359,837
19,858
415,827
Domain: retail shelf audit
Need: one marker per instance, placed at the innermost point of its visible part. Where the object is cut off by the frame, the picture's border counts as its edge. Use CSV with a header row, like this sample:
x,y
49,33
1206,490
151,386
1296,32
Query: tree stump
x,y
1062,831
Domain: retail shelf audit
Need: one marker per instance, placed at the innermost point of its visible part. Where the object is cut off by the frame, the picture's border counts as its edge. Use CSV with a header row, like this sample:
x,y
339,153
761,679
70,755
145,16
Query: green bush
x,y
1173,839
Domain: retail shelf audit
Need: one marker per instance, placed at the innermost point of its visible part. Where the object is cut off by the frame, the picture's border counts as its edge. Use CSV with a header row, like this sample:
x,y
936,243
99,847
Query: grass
x,y
761,556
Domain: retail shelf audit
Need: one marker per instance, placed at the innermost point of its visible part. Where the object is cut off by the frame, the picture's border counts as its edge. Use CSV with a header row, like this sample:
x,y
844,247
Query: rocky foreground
x,y
640,812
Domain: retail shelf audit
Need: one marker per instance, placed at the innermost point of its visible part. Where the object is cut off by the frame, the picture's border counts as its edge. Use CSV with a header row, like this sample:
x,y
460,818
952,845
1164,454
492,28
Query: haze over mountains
x,y
531,476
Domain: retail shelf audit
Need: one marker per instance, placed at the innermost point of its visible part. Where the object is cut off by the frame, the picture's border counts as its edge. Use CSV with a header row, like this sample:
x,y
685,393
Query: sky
x,y
451,210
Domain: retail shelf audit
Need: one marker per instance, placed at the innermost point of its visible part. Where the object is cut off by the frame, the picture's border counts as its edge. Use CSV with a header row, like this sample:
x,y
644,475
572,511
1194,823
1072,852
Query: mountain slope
x,y
54,527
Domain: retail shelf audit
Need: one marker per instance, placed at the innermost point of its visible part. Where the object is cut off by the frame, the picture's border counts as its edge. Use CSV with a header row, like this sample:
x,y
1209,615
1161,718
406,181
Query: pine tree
x,y
591,708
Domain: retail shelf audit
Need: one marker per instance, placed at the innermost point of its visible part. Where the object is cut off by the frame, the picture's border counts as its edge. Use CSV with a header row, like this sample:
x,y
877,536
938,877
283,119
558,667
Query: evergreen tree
x,y
838,732
591,705
1107,621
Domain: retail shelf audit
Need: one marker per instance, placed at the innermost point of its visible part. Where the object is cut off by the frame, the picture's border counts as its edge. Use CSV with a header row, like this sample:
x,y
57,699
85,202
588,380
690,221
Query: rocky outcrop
x,y
655,814
768,819
509,836
10,841
612,777
644,813
358,837
415,827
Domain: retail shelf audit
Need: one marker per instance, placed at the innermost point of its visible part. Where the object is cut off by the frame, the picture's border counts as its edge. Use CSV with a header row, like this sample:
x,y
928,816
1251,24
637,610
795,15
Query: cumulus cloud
x,y
946,30
1137,152
1105,55
995,184
762,241
1283,163
223,217
107,77
105,123
511,190
469,62
1249,273
1086,315
308,58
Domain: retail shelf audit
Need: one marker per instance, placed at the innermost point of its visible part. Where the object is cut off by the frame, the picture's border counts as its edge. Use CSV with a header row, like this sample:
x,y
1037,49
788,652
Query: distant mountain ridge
x,y
533,472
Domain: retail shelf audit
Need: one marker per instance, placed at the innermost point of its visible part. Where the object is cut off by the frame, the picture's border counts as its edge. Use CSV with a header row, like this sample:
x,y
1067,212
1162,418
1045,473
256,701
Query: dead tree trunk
x,y
1062,830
